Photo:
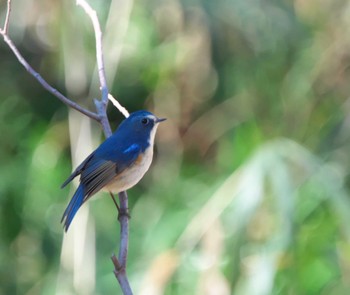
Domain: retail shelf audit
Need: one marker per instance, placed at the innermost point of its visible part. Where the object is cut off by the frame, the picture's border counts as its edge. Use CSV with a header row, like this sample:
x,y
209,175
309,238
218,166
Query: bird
x,y
117,164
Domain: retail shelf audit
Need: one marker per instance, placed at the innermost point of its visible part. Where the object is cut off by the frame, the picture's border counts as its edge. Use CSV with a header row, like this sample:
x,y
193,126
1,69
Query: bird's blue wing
x,y
123,154
99,169
104,166
78,170
103,159
73,206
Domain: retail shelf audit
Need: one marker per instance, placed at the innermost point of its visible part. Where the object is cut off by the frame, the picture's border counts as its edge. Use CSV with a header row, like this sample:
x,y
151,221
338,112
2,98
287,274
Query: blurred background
x,y
249,190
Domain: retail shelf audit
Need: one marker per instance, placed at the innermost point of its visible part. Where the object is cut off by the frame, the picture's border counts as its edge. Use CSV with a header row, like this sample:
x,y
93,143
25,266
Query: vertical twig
x,y
101,105
124,228
99,51
120,262
120,274
7,18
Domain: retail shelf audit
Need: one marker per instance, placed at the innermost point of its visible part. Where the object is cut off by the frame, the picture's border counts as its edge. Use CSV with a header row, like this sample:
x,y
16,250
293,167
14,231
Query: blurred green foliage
x,y
249,191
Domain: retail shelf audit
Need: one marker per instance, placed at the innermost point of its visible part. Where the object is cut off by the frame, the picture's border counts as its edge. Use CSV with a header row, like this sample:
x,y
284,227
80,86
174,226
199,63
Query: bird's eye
x,y
145,121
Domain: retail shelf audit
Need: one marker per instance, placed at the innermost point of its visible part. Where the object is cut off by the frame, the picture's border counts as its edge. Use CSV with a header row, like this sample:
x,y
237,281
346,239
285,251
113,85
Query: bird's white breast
x,y
132,175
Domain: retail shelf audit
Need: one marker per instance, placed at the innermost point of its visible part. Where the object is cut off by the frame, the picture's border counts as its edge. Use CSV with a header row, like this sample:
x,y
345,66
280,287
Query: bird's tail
x,y
73,206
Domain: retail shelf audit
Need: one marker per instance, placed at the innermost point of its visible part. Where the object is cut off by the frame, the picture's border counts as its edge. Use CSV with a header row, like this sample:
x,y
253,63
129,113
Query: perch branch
x,y
124,228
101,105
120,262
120,274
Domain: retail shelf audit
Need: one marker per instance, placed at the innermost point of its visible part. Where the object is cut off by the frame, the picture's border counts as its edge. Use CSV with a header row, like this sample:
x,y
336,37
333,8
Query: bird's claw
x,y
123,212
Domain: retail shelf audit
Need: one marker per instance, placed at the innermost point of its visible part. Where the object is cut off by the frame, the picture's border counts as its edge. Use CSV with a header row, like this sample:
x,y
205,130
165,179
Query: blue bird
x,y
117,164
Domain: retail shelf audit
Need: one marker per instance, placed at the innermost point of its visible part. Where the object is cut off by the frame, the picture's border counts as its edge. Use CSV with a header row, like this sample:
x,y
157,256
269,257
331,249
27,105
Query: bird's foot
x,y
122,212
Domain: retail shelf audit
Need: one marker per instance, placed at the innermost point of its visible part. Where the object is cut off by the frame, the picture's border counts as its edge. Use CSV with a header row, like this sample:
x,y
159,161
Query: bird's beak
x,y
158,120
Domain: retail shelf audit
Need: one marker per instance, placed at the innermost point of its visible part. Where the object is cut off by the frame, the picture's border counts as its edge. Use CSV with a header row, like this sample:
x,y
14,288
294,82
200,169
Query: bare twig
x,y
7,18
102,112
99,52
35,74
119,272
116,103
46,85
124,228
120,262
101,105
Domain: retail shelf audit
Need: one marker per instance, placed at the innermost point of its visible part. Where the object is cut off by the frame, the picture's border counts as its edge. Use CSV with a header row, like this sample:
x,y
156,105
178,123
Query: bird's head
x,y
141,123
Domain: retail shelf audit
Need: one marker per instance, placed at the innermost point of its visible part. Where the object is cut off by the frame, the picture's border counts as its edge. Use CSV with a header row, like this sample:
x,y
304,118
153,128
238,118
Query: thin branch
x,y
102,112
36,75
7,18
43,82
120,274
101,106
99,52
124,228
120,264
116,103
